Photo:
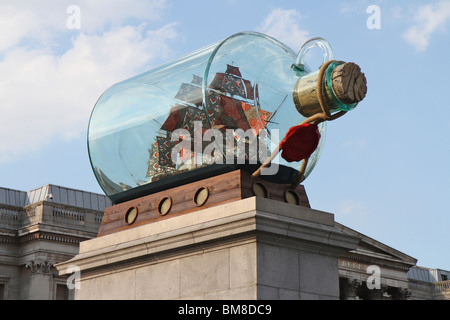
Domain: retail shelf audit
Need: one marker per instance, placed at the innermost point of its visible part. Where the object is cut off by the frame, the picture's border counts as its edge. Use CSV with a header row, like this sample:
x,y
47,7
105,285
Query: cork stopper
x,y
349,83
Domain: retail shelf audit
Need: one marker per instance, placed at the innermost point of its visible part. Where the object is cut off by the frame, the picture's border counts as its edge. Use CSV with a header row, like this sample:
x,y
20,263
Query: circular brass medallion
x,y
201,196
164,206
291,197
131,215
259,190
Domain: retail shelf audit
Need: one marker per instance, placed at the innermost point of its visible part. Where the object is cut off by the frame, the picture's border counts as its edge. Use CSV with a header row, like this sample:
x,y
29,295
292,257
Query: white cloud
x,y
51,15
429,19
283,25
14,25
46,95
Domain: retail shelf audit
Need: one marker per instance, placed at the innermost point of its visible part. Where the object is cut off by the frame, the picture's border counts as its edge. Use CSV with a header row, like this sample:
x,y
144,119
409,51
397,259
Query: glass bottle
x,y
201,114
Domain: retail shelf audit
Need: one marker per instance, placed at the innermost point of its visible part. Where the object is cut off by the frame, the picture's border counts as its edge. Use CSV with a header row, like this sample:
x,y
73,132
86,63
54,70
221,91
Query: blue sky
x,y
384,169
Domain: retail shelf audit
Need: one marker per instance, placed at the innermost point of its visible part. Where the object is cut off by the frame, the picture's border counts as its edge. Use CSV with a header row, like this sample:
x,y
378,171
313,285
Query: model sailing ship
x,y
228,105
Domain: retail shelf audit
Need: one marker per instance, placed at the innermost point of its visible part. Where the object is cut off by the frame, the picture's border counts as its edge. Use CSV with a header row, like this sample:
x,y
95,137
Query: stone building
x,y
41,231
429,284
38,229
400,277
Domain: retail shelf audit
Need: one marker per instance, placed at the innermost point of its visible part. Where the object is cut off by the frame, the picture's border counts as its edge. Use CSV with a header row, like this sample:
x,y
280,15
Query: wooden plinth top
x,y
195,196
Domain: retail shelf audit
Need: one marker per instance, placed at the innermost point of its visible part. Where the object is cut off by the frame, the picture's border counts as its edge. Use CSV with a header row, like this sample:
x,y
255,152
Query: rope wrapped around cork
x,y
349,85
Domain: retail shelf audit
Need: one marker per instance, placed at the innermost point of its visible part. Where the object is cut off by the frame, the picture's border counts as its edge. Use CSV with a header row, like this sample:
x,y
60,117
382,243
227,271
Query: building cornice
x,y
371,260
39,235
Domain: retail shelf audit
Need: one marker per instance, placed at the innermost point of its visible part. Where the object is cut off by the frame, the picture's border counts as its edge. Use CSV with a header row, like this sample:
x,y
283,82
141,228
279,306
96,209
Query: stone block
x,y
86,290
318,274
248,249
267,293
207,272
243,268
309,296
159,281
116,286
243,293
286,294
278,266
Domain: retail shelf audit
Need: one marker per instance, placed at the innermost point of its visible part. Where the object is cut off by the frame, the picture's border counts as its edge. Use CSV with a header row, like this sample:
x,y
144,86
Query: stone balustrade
x,y
442,286
12,217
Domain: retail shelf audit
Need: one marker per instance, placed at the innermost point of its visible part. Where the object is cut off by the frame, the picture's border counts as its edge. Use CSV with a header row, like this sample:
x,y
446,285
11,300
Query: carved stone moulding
x,y
40,267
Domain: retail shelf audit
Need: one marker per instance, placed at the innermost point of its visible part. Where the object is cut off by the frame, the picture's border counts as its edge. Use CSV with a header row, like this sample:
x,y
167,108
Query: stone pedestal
x,y
254,248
